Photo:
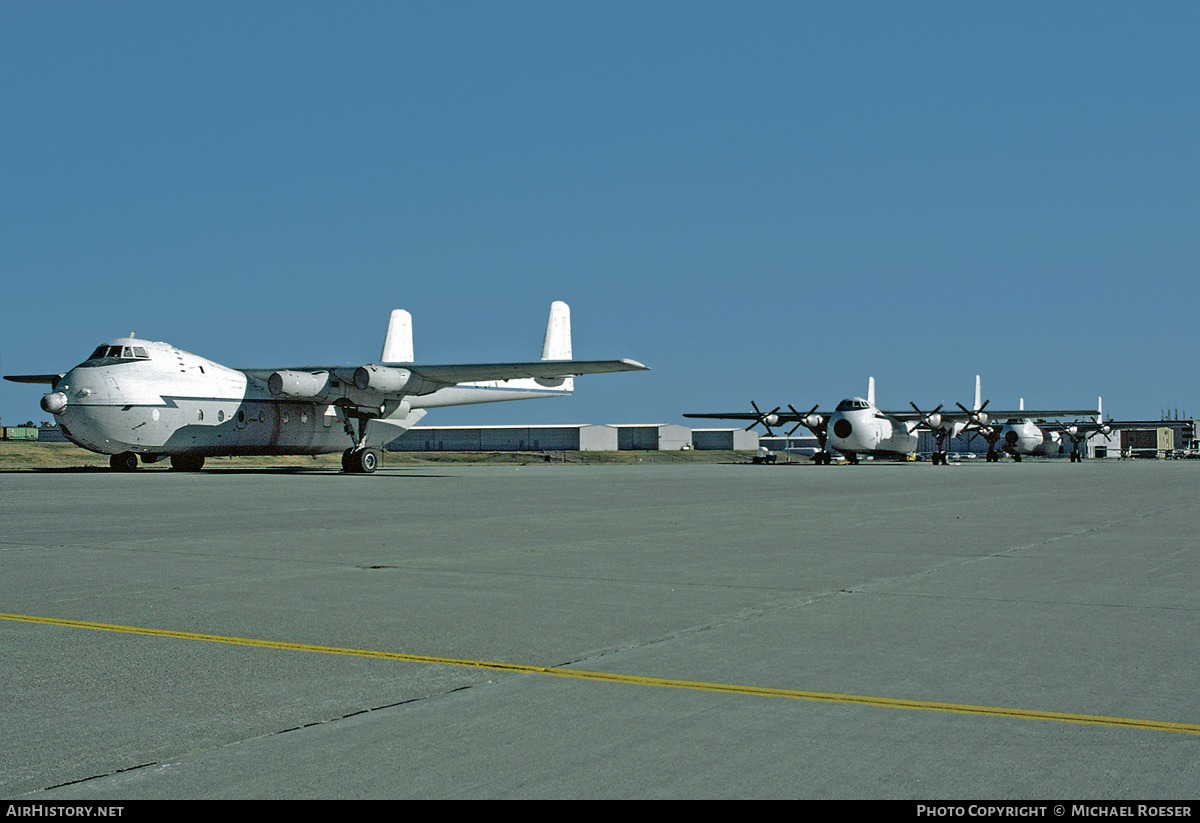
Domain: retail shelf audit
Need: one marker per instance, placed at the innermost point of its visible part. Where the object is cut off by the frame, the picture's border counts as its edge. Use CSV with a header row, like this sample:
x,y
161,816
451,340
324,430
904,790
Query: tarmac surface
x,y
980,631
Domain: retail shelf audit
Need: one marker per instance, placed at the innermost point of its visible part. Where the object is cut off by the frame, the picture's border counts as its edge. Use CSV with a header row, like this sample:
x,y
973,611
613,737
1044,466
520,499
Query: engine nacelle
x,y
813,421
391,380
385,379
299,384
934,420
981,418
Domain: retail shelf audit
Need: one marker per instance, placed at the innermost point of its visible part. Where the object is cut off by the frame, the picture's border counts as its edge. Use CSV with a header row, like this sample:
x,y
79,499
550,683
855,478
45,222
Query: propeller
x,y
977,417
812,421
767,420
933,420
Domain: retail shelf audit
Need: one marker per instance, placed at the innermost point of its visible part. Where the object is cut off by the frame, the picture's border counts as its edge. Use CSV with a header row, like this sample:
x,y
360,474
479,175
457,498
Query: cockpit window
x,y
852,404
121,352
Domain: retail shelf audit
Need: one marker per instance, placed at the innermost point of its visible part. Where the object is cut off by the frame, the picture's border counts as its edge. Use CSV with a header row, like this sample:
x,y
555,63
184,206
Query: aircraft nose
x,y
54,402
842,429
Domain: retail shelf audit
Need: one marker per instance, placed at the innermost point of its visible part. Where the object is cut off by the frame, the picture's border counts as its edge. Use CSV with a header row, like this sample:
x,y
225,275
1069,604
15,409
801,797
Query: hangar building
x,y
581,437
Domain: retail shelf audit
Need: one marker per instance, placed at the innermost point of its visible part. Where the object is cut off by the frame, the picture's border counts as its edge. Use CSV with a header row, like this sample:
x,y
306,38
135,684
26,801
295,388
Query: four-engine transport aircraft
x,y
1027,435
137,398
857,427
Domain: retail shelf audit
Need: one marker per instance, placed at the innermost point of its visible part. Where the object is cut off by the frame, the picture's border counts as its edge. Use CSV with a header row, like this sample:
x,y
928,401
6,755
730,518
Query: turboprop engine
x,y
390,380
302,385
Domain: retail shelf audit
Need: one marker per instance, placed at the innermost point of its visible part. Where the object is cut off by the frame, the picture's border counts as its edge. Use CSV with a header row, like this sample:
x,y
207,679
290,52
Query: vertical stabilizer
x,y
871,391
978,394
398,344
557,344
1099,409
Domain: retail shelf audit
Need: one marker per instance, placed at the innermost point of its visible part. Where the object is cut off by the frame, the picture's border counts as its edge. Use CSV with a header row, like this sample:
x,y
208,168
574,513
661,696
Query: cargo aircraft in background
x,y
137,398
1024,434
857,427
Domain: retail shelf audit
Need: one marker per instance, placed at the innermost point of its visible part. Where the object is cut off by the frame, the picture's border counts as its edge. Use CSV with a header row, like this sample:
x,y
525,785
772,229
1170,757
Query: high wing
x,y
813,420
968,415
49,379
452,375
432,377
782,417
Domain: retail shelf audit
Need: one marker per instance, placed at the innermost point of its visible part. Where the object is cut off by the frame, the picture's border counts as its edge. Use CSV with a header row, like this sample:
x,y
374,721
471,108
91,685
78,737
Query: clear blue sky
x,y
759,200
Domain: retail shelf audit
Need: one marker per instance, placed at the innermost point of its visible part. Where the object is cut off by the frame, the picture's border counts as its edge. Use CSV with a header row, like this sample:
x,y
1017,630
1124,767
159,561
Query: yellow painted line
x,y
636,680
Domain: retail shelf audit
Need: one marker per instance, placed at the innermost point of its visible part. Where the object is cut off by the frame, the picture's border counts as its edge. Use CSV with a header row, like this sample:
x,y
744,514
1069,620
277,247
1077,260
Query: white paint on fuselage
x,y
176,403
857,427
1026,437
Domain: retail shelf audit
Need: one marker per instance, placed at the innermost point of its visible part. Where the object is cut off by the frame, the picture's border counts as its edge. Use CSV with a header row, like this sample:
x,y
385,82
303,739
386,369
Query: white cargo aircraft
x,y
1023,435
857,427
137,398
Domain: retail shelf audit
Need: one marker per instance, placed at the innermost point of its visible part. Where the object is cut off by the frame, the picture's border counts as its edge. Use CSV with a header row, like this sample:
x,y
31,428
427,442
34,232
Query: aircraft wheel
x,y
187,462
368,461
360,461
123,462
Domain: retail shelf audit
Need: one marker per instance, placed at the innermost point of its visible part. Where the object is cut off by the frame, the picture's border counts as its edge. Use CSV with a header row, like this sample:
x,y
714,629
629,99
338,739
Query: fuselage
x,y
857,427
152,399
1023,436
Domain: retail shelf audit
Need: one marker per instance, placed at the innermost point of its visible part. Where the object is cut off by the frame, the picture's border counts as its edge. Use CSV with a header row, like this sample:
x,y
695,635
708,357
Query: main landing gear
x,y
360,461
128,461
187,462
822,458
123,462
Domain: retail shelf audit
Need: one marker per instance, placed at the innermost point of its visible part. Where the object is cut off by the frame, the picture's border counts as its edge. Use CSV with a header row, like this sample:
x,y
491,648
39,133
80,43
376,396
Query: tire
x,y
123,462
187,462
368,461
360,461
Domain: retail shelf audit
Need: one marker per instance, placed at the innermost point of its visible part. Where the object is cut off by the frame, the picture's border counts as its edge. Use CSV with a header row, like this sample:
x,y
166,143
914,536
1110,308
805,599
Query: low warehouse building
x,y
725,439
506,438
652,437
